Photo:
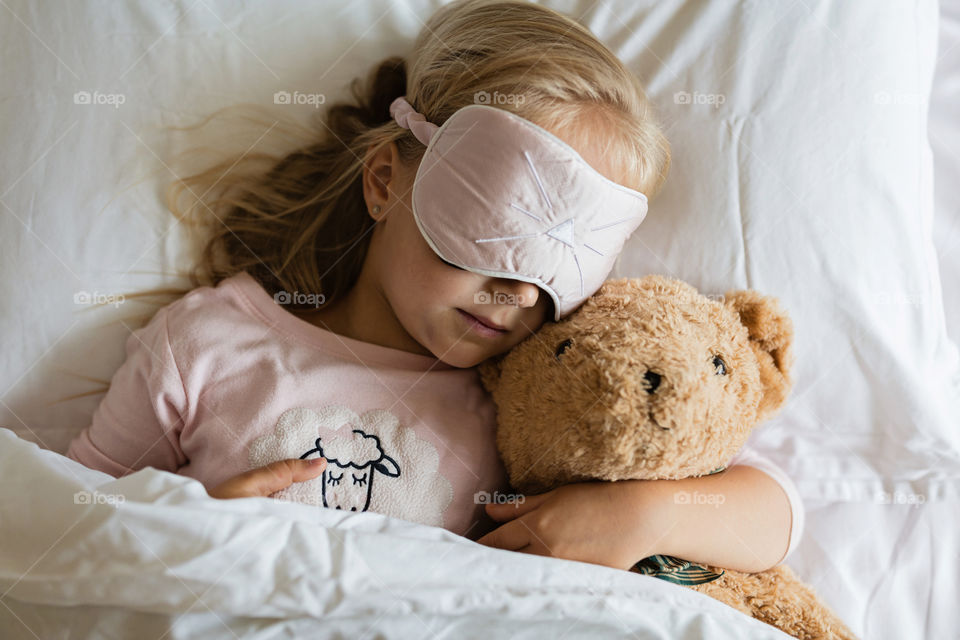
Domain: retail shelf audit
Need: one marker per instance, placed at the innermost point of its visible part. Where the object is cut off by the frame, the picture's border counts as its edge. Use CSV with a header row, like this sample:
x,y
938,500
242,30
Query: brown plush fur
x,y
576,402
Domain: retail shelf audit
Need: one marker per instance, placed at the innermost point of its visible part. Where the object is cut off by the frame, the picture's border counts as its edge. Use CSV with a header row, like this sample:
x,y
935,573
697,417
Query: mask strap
x,y
408,118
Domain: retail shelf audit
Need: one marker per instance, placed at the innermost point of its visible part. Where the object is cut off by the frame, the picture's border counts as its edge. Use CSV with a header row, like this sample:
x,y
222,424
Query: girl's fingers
x,y
282,473
511,536
269,479
503,511
536,550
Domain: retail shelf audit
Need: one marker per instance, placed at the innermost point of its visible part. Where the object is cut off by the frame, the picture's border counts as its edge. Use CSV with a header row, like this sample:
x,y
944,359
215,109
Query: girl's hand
x,y
614,524
264,481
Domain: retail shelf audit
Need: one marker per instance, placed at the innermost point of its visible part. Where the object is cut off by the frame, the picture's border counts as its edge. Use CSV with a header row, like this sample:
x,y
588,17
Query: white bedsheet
x,y
264,568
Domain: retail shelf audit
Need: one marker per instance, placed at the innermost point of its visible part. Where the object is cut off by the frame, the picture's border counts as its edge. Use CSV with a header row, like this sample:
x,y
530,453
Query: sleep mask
x,y
500,196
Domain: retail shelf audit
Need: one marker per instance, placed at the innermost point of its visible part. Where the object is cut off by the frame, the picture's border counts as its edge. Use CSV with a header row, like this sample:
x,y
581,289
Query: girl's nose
x,y
516,292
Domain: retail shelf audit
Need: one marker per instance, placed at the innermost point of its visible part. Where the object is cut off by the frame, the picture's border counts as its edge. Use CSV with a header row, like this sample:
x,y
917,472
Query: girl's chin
x,y
465,354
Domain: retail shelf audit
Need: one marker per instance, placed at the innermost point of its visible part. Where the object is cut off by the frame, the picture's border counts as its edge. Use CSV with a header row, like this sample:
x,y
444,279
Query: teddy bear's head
x,y
648,379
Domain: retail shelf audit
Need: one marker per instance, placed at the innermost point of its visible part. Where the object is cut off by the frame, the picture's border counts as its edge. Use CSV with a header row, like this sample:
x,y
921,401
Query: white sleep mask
x,y
500,196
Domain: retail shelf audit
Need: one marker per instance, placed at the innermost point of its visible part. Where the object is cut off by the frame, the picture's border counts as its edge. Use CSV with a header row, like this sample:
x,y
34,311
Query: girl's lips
x,y
478,326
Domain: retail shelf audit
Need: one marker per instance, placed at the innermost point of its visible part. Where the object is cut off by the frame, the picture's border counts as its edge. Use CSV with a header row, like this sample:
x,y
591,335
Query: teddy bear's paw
x,y
782,600
779,598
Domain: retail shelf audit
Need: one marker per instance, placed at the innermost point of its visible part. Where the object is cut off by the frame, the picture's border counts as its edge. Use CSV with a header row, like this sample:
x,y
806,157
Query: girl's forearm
x,y
739,519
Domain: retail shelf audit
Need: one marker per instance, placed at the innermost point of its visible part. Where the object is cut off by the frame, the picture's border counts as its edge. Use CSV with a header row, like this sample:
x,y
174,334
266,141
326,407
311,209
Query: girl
x,y
329,355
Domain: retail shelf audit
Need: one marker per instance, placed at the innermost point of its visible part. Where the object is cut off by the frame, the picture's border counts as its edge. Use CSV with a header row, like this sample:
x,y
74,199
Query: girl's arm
x,y
138,422
739,519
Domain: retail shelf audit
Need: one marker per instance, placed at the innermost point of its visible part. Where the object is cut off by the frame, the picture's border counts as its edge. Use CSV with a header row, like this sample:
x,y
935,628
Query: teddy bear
x,y
650,379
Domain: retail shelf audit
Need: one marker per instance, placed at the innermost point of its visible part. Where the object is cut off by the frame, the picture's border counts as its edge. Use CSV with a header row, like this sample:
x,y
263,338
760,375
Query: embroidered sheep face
x,y
352,464
375,462
647,379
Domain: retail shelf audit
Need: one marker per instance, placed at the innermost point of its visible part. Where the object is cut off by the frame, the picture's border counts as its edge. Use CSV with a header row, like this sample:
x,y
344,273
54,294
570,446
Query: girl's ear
x,y
490,372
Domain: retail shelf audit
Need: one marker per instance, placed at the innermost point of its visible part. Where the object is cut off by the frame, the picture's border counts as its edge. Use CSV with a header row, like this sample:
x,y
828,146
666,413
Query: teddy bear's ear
x,y
490,372
771,337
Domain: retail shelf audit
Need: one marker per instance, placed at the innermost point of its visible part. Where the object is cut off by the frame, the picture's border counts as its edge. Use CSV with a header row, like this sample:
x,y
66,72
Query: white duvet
x,y
156,556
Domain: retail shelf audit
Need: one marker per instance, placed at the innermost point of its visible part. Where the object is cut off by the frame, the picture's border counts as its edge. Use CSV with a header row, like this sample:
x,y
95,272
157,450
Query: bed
x,y
814,158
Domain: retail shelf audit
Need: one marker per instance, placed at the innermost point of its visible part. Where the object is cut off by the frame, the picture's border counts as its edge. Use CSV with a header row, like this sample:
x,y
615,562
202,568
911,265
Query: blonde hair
x,y
302,225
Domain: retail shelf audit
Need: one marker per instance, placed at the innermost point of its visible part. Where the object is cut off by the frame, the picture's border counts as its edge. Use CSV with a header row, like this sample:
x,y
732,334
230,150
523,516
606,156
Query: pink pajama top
x,y
225,379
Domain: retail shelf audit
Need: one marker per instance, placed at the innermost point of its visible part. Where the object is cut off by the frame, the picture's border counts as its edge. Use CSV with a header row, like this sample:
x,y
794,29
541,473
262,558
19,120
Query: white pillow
x,y
944,134
801,169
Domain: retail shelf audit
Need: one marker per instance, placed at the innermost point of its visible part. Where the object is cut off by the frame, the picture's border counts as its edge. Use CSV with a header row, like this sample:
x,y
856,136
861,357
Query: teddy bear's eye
x,y
720,365
562,347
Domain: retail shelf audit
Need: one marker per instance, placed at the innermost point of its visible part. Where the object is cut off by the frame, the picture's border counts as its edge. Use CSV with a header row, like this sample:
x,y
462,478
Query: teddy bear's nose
x,y
653,381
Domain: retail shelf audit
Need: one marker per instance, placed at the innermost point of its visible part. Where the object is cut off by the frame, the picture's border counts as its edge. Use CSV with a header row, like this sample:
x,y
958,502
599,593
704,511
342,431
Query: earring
x,y
376,209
